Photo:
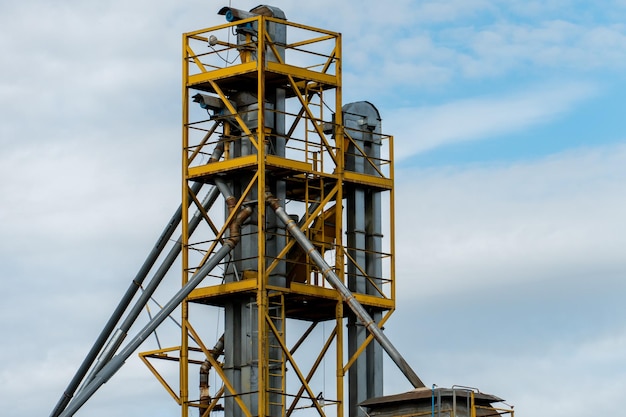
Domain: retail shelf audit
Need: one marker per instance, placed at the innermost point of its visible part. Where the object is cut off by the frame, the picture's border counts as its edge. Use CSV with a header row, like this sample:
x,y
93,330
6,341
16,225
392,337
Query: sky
x,y
510,144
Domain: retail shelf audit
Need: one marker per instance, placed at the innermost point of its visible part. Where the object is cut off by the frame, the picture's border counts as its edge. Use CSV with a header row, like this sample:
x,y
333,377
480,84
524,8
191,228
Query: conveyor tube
x,y
121,333
332,278
120,309
118,360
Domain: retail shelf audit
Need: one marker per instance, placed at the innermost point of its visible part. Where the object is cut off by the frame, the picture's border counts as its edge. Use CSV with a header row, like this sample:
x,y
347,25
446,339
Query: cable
x,y
156,336
225,59
169,316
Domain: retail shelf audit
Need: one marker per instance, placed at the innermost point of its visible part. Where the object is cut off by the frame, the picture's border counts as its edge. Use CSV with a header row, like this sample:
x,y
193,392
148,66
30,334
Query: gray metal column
x,y
241,317
364,238
374,245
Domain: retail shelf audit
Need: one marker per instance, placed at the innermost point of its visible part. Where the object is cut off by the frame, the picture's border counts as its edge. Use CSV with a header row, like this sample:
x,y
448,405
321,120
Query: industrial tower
x,y
287,235
263,123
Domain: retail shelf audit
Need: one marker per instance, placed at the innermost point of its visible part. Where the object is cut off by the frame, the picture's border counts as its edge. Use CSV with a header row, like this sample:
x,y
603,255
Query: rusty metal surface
x,y
419,394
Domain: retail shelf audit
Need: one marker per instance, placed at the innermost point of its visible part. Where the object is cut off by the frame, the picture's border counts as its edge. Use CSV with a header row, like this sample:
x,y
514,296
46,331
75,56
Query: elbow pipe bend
x,y
235,226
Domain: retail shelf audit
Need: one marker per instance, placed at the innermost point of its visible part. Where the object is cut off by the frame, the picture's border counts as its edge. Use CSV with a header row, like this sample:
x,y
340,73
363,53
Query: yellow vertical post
x,y
340,145
392,224
184,358
262,302
339,357
312,170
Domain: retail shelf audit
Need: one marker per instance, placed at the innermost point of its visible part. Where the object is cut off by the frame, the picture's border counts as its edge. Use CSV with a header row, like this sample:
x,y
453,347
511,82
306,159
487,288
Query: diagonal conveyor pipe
x,y
346,294
118,360
120,309
121,333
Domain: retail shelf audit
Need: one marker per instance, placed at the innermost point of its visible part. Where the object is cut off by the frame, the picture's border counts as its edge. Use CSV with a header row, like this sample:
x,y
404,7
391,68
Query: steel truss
x,y
241,147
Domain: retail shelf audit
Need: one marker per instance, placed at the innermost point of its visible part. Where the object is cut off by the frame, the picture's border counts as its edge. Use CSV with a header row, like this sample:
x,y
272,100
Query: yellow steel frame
x,y
314,165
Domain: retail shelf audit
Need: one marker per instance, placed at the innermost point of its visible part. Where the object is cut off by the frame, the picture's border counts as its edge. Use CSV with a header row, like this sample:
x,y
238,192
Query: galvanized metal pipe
x,y
205,395
116,362
217,151
121,333
120,309
112,366
348,297
224,188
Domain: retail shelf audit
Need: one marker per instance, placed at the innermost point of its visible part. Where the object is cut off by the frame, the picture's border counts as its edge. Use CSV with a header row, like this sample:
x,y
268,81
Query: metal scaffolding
x,y
297,223
263,119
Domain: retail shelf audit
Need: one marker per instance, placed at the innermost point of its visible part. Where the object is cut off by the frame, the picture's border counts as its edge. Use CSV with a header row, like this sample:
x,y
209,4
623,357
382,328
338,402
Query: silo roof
x,y
426,393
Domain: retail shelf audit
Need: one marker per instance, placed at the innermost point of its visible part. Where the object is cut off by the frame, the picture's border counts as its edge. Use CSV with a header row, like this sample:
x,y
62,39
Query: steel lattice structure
x,y
262,122
287,221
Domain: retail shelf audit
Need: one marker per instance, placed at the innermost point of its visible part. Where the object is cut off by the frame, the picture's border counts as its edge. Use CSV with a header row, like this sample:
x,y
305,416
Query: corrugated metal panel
x,y
419,394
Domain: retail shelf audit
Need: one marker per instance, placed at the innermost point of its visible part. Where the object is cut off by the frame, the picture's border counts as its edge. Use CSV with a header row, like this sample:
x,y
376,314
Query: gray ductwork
x,y
332,278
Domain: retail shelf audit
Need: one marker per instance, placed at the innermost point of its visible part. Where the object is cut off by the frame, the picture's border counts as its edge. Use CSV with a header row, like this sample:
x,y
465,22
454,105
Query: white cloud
x,y
556,381
425,128
554,219
503,47
516,273
90,98
420,56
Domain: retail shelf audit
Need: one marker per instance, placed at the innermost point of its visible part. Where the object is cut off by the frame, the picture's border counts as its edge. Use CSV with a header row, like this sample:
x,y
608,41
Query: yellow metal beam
x,y
305,225
222,166
312,371
366,179
294,365
246,285
220,372
237,116
302,73
366,342
158,376
204,78
200,145
291,164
